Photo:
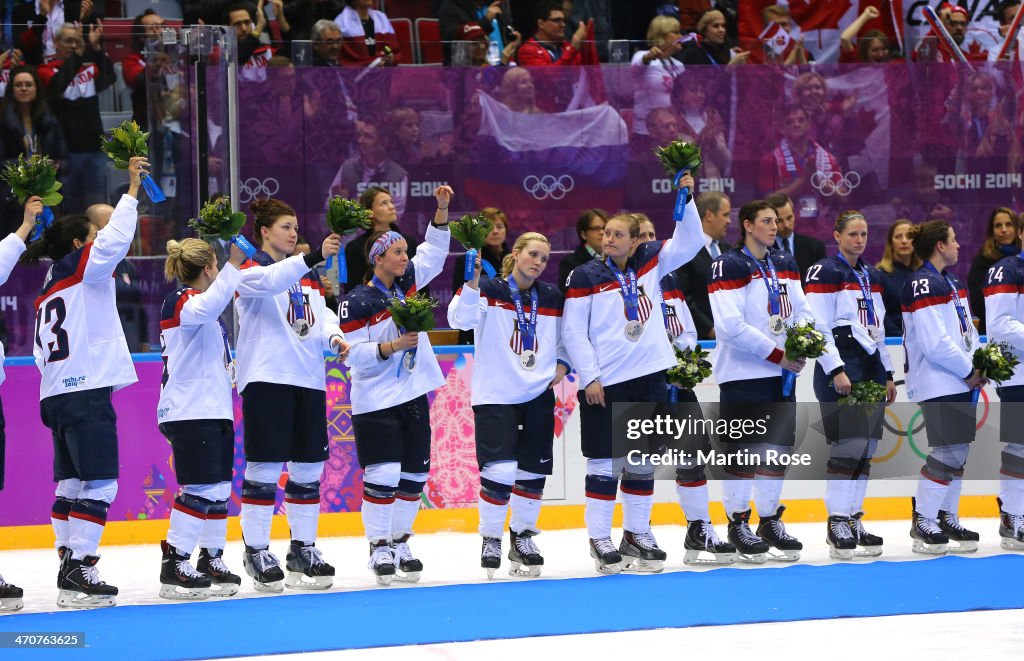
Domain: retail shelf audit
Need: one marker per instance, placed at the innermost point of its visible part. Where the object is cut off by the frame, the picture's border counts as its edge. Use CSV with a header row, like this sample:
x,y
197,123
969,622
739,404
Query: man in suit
x,y
806,249
714,208
590,230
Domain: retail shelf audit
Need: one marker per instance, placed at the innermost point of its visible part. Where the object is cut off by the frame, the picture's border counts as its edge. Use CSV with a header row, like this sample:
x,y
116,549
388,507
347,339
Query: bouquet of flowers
x,y
802,341
864,392
679,158
996,361
691,368
346,217
471,231
217,220
125,142
413,315
34,176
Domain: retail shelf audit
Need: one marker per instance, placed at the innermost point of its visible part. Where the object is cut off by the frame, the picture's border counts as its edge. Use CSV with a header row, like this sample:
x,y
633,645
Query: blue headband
x,y
381,245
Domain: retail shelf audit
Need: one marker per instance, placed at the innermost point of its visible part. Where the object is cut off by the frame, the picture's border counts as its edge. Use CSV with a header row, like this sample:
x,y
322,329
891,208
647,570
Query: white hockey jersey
x,y
939,348
267,349
1004,308
745,348
10,250
79,344
682,332
498,374
594,320
379,384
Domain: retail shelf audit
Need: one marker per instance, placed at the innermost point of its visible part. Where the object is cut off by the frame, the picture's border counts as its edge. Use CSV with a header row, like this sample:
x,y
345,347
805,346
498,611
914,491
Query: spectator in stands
x,y
779,15
923,201
975,113
481,47
403,131
73,80
805,249
9,59
146,29
517,91
371,167
249,23
547,46
26,127
898,265
488,15
385,218
1006,12
367,36
1002,239
302,15
326,43
128,294
590,230
714,209
712,47
956,19
700,123
655,70
872,48
35,27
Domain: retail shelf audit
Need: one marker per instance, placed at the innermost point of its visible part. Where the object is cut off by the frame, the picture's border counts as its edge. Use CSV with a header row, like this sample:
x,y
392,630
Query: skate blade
x,y
221,590
296,580
384,579
867,552
613,568
840,554
490,572
1011,544
928,549
73,599
641,566
179,593
520,570
753,558
784,556
407,577
272,586
694,557
11,604
963,547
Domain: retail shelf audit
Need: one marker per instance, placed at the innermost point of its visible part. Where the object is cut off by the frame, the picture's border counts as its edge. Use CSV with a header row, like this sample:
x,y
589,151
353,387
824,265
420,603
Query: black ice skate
x,y
967,540
382,561
306,567
840,539
63,553
409,567
524,555
10,597
927,535
264,568
607,560
640,553
223,583
178,578
490,555
868,545
81,587
772,530
749,547
1011,529
701,538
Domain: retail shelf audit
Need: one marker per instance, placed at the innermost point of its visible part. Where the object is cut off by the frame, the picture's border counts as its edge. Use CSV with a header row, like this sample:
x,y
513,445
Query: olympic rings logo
x,y
253,189
835,183
548,186
916,426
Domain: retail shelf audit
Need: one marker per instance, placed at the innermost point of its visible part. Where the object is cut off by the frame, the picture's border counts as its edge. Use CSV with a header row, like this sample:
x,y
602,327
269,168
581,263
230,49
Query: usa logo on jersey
x,y
516,341
785,305
645,306
307,312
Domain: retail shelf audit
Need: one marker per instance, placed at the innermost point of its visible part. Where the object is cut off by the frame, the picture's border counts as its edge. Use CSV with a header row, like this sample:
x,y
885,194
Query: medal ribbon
x,y
628,288
864,280
772,283
527,329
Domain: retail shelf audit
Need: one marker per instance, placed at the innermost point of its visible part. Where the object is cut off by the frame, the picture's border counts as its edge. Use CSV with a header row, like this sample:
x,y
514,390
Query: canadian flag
x,y
778,44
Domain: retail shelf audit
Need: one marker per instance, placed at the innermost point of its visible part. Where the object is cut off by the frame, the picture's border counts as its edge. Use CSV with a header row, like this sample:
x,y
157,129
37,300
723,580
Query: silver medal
x,y
301,328
528,359
775,324
232,376
409,360
634,329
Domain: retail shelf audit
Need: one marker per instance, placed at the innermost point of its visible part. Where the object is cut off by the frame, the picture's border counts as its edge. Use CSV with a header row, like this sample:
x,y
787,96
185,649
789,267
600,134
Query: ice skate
x,y
409,568
772,530
868,545
840,539
223,583
264,568
966,540
524,555
490,555
382,561
640,553
749,547
701,538
927,535
81,587
10,597
1011,529
306,567
178,578
607,560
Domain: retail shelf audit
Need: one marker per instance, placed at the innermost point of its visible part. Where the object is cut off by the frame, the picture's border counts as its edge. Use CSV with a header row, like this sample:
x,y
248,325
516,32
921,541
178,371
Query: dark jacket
x,y
50,140
578,257
892,295
74,100
692,279
807,250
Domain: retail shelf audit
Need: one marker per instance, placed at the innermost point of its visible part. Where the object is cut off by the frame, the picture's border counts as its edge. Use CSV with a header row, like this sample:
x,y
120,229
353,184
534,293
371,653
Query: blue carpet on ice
x,y
378,617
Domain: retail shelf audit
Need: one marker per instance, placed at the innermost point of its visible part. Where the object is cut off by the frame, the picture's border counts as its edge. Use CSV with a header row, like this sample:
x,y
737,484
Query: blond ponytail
x,y
509,262
187,259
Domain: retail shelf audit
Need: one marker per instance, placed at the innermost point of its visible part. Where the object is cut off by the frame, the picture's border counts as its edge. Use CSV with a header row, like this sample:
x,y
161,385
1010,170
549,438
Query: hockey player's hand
x,y
595,393
331,245
33,208
406,341
236,257
890,392
842,385
560,372
794,366
341,347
